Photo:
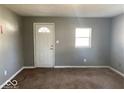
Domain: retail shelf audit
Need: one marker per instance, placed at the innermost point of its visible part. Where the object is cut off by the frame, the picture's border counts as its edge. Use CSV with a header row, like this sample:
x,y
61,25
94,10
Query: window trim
x,y
90,37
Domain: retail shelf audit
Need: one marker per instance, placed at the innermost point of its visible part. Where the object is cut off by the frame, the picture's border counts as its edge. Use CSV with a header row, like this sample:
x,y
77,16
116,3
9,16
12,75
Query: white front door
x,y
44,44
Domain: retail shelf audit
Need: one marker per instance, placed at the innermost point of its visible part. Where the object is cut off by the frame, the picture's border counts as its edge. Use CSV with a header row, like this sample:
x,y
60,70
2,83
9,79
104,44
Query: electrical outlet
x,y
5,72
85,60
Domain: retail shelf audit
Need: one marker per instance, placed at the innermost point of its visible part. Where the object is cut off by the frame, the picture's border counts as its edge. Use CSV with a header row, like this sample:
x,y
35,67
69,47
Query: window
x,y
83,37
44,30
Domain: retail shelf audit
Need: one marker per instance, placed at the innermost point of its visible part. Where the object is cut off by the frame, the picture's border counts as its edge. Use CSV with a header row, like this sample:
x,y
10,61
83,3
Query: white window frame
x,y
84,37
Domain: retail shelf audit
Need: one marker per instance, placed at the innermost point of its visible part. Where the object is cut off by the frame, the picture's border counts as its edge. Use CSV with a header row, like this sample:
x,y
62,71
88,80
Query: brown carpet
x,y
85,78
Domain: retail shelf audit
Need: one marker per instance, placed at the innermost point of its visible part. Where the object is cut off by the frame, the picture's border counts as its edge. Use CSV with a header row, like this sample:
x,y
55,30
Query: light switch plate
x,y
57,41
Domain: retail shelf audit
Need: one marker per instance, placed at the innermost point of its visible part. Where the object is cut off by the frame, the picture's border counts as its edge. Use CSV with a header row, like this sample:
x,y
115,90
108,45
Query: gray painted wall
x,y
11,57
66,53
117,43
10,44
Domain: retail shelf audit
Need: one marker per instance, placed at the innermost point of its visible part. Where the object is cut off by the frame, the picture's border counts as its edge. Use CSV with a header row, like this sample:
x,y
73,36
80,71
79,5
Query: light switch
x,y
57,41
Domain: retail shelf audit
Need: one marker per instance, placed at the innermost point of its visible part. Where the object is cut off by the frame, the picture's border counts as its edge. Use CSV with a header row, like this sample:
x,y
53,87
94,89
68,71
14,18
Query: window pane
x,y
83,32
82,42
44,30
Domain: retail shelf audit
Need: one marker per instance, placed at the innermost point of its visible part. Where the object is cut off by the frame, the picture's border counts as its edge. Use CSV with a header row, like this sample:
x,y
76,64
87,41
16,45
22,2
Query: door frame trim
x,y
34,40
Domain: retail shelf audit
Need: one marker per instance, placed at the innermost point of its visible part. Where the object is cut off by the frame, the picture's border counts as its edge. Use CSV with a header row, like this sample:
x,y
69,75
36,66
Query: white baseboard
x,y
81,66
118,72
28,67
1,86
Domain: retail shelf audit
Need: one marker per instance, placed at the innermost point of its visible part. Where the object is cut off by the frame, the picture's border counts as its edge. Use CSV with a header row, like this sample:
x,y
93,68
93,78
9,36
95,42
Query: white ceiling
x,y
67,10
